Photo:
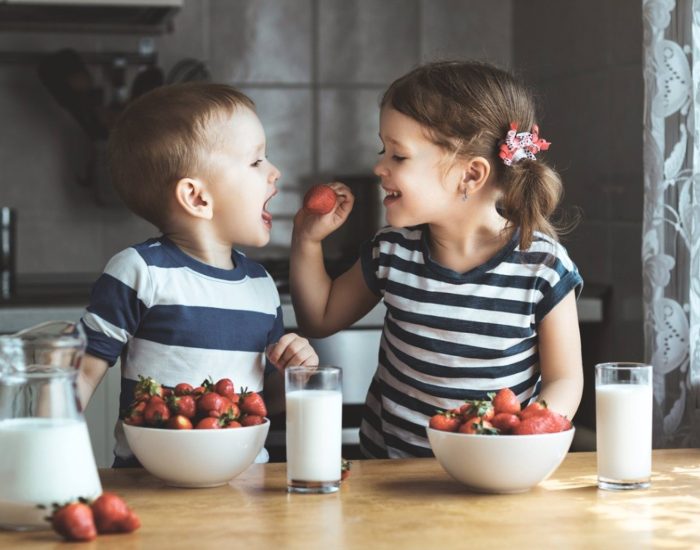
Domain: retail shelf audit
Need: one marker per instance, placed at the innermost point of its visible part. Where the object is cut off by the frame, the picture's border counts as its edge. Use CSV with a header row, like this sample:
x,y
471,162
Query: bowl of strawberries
x,y
494,446
201,436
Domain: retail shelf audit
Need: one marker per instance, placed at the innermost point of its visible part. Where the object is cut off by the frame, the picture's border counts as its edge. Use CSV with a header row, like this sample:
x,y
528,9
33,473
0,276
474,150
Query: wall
x,y
585,60
315,68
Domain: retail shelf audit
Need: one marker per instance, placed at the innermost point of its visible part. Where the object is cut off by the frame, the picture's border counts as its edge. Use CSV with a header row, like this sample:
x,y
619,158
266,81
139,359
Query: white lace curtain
x,y
671,230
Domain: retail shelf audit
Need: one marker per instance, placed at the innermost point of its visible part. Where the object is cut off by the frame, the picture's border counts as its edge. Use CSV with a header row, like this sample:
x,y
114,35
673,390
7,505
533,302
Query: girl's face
x,y
241,181
412,171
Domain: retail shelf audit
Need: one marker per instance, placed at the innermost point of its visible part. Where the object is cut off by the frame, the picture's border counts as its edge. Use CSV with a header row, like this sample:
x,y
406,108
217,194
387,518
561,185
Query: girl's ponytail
x,y
530,196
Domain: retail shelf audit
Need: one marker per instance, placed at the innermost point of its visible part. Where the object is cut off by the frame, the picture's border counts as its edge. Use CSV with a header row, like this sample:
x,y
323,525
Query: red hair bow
x,y
520,145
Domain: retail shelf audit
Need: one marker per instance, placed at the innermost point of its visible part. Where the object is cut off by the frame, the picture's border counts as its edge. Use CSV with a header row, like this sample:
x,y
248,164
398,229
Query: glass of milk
x,y
314,402
45,451
623,397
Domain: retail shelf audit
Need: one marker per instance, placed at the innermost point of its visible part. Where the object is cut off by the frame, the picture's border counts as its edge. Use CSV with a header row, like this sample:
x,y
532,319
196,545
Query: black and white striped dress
x,y
452,336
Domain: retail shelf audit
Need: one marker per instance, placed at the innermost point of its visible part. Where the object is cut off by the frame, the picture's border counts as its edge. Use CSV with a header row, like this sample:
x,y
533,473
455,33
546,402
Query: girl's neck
x,y
204,248
462,247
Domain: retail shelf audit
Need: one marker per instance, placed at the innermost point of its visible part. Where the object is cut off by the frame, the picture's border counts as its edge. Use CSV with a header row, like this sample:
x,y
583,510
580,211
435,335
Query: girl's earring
x,y
465,196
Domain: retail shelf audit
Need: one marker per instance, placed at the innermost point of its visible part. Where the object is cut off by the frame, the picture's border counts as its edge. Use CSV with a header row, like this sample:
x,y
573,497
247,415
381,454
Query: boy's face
x,y
241,181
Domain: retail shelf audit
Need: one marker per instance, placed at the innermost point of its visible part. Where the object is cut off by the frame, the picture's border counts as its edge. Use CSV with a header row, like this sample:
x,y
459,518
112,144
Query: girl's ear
x,y
193,198
475,174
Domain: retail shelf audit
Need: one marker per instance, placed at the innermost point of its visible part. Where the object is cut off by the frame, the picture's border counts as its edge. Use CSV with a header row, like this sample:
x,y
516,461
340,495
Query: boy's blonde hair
x,y
164,136
466,109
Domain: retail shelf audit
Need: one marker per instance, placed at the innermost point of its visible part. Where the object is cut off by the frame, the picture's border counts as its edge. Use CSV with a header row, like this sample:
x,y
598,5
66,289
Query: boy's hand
x,y
315,227
291,350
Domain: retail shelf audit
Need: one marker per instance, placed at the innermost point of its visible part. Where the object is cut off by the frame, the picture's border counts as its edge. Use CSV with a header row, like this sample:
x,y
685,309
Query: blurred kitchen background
x,y
316,70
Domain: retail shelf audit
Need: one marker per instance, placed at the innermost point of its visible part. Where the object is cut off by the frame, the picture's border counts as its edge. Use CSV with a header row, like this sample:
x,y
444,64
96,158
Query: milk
x,y
623,431
42,461
314,435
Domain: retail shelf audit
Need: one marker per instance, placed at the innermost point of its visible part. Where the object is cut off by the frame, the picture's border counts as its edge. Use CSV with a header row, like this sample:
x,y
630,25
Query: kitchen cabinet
x,y
408,503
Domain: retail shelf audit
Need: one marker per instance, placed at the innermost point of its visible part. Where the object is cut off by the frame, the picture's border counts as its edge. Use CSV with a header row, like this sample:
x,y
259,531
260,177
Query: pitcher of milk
x,y
45,451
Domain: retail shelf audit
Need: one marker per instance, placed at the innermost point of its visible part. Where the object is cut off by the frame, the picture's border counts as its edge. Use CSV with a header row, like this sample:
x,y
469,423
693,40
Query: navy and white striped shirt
x,y
452,336
176,319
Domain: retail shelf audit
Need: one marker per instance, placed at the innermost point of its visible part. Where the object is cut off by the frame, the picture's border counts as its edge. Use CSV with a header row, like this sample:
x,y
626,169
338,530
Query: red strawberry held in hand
x,y
74,521
320,199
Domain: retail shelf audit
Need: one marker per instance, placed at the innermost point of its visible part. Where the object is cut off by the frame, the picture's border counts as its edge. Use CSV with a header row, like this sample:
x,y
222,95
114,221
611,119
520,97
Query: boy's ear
x,y
475,174
193,198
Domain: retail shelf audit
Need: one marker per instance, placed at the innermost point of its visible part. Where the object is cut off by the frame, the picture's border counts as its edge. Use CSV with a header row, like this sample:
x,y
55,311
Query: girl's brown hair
x,y
467,108
163,137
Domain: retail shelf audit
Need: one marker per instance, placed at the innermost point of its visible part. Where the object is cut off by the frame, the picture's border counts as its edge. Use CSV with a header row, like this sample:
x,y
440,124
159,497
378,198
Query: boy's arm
x,y
559,344
92,370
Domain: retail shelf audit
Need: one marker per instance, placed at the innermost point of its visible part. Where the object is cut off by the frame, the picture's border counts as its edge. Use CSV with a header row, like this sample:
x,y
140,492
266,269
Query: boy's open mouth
x,y
391,196
266,216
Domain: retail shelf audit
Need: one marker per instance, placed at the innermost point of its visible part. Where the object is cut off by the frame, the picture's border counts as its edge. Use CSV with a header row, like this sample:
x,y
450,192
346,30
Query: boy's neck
x,y
206,250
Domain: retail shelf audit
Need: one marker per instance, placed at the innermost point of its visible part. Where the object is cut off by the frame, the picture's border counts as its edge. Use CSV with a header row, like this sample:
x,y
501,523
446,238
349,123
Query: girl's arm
x,y
324,306
560,357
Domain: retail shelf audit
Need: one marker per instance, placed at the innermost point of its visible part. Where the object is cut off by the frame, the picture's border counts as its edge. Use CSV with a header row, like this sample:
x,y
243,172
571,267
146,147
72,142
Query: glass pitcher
x,y
45,451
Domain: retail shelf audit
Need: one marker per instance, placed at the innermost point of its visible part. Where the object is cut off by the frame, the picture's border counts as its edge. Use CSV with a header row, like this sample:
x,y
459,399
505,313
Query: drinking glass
x,y
623,425
314,402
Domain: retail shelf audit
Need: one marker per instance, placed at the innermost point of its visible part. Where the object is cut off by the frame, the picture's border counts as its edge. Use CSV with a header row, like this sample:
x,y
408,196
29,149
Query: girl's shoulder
x,y
548,249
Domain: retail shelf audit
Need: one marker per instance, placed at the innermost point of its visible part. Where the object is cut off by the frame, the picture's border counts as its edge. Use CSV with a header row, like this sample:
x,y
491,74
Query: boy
x,y
190,159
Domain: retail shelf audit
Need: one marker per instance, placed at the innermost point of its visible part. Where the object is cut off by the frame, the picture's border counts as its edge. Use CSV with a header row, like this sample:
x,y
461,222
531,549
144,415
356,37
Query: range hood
x,y
111,16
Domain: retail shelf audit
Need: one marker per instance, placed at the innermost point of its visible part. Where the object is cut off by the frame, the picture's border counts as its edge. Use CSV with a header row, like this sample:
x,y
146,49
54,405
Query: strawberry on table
x,y
113,515
74,521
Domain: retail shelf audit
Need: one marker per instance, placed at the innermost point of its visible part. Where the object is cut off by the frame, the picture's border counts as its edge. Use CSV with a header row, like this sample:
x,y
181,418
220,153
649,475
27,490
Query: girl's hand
x,y
316,227
291,350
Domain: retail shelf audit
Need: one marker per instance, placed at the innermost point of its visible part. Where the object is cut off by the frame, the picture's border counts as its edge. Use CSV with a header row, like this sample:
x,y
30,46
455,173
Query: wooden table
x,y
406,504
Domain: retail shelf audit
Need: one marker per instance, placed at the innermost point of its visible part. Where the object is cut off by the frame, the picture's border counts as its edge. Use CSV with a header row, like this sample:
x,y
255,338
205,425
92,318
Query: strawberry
x,y
446,421
74,521
146,388
184,405
252,403
156,412
251,420
506,401
477,425
183,389
130,523
134,415
208,423
505,422
534,408
320,199
345,466
179,422
211,402
233,424
537,424
108,510
112,515
224,387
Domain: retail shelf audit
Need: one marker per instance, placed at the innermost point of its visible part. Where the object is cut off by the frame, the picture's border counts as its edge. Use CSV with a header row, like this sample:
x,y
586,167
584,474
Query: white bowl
x,y
500,463
196,458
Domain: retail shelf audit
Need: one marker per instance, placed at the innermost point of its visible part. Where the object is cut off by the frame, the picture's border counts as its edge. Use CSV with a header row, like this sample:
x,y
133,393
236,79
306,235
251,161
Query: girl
x,y
479,293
